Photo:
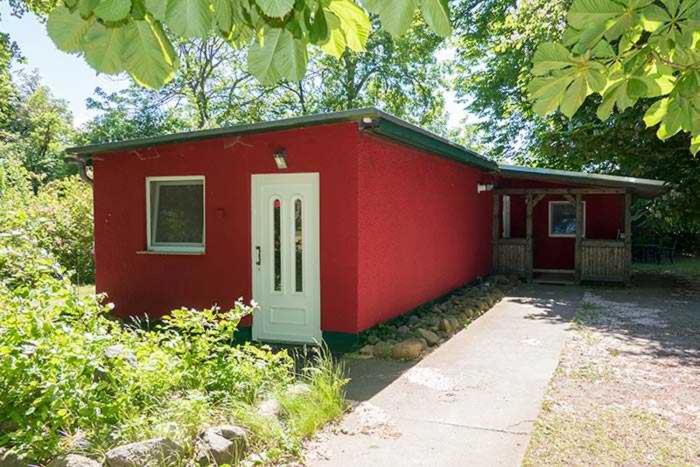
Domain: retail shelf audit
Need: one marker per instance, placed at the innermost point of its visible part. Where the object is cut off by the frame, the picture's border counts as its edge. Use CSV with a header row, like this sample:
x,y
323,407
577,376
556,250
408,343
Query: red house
x,y
334,223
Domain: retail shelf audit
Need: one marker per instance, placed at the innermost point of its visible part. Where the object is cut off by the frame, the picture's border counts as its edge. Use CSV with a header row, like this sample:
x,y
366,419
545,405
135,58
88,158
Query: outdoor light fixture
x,y
280,156
480,187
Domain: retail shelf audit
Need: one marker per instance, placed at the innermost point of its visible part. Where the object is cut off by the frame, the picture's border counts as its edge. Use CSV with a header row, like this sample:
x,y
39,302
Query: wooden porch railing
x,y
603,260
595,260
511,256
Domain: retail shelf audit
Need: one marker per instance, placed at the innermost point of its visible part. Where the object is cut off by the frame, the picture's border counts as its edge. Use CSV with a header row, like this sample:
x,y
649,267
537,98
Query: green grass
x,y
306,413
687,267
607,436
302,414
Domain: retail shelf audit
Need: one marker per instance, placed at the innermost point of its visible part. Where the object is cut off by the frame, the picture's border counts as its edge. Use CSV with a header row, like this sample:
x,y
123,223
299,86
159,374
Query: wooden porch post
x,y
529,251
495,233
628,237
579,236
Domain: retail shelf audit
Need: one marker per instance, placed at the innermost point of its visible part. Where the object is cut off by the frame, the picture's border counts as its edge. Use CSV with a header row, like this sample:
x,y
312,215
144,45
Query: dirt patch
x,y
627,390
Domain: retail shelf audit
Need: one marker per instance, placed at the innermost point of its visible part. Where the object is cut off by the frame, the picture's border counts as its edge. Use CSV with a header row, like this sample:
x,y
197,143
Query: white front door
x,y
285,249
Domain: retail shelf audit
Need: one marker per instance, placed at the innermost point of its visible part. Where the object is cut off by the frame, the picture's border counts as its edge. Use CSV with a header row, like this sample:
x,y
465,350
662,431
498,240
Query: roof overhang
x,y
371,120
640,186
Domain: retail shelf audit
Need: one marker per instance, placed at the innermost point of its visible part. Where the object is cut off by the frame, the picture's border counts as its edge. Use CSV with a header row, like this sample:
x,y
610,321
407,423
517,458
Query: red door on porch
x,y
554,232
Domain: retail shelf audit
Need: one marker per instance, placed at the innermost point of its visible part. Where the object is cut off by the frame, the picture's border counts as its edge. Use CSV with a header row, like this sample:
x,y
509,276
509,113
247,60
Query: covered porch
x,y
562,227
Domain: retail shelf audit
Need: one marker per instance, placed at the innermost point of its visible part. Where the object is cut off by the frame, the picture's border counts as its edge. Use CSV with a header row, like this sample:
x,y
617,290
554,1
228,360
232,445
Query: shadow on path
x,y
661,310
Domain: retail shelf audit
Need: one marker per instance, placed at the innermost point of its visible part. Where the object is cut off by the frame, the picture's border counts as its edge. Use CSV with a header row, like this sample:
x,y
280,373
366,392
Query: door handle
x,y
257,251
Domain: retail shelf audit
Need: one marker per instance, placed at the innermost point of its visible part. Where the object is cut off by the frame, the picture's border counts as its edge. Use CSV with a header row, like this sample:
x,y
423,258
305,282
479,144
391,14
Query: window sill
x,y
171,252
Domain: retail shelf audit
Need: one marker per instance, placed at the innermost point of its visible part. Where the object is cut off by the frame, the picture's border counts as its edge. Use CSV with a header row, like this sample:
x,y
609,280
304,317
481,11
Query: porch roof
x,y
641,186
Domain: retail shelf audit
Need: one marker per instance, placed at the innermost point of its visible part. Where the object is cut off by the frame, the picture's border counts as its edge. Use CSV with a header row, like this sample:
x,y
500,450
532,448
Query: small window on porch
x,y
562,219
175,213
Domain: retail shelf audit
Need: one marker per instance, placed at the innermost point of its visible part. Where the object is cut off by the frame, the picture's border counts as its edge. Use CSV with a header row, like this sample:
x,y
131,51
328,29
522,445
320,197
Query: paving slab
x,y
472,401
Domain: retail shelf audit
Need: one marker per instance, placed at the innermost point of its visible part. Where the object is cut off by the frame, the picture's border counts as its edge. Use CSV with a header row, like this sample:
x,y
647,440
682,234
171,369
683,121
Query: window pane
x,y
563,219
177,212
298,248
277,246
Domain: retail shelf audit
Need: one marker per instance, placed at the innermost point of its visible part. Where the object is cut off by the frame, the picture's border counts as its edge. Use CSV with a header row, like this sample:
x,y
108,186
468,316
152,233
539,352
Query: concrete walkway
x,y
472,401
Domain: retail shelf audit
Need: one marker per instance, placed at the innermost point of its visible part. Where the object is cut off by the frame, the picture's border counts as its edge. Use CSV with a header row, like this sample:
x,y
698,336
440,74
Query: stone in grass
x,y
403,330
156,451
225,444
413,319
11,459
382,349
430,337
409,349
269,408
73,460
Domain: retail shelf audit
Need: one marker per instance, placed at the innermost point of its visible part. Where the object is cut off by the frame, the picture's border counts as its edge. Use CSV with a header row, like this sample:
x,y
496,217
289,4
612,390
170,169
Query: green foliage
x,y
400,75
9,53
37,129
56,219
624,51
495,52
139,36
132,113
72,379
306,412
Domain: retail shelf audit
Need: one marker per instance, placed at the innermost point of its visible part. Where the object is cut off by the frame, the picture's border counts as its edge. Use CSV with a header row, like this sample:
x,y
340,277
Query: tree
x,y
132,113
137,36
40,127
401,75
626,51
214,89
9,53
495,42
495,49
213,86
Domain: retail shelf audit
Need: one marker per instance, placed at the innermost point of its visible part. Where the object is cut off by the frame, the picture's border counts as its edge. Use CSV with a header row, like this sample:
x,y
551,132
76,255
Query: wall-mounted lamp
x,y
480,187
280,156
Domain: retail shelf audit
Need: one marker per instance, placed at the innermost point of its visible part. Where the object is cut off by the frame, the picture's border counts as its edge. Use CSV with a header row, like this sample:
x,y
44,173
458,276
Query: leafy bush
x,y
72,379
58,218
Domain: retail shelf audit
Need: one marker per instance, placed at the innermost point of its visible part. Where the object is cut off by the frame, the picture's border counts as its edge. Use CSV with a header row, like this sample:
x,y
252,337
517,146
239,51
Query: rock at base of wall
x,y
430,337
410,349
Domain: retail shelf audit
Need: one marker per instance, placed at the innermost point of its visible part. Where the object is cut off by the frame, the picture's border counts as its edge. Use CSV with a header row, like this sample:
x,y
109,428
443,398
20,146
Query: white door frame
x,y
263,327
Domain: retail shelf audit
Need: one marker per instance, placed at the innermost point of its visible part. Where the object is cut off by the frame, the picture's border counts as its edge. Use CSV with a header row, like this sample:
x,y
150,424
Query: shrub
x,y
57,219
69,373
63,211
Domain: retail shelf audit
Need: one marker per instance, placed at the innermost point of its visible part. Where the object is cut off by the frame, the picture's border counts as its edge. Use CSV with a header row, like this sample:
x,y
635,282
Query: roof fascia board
x,y
642,186
408,134
261,127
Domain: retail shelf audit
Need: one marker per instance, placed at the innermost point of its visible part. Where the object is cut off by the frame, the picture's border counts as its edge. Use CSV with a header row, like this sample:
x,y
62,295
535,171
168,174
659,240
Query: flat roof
x,y
372,119
642,186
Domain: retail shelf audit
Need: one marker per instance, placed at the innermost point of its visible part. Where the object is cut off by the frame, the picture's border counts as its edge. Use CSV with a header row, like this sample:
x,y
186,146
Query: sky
x,y
68,76
71,79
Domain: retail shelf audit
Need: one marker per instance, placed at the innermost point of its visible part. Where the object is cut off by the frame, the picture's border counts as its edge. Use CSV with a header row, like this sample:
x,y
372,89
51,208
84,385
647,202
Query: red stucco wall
x,y
155,284
399,227
423,229
604,217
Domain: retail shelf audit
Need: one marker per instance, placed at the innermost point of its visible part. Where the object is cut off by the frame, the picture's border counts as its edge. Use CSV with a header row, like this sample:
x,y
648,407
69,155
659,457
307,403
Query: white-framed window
x,y
562,219
506,216
175,213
